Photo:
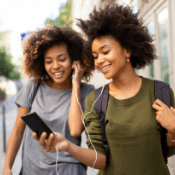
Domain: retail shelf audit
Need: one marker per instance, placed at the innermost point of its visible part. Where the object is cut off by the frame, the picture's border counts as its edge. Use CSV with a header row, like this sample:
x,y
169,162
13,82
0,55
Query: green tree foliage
x,y
64,18
7,68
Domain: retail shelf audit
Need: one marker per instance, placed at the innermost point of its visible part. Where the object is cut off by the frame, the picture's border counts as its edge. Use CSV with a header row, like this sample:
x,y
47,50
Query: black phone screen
x,y
36,124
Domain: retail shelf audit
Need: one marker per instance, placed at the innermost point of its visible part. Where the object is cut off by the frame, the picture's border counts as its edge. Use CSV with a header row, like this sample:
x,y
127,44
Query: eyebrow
x,y
57,56
102,47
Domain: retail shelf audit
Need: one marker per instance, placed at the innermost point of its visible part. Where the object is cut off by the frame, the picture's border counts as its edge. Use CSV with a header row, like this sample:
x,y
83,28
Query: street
x,y
10,116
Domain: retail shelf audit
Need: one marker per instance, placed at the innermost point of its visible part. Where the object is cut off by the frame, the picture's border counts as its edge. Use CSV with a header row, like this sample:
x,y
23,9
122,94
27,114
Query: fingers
x,y
159,102
42,140
172,109
49,142
34,135
77,65
158,105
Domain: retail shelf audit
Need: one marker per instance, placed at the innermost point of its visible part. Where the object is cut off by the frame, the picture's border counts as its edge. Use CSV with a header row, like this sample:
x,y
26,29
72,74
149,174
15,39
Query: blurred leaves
x,y
65,16
7,68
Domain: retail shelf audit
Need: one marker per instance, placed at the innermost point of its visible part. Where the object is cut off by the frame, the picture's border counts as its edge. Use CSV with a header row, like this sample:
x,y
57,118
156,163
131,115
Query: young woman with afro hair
x,y
50,55
117,44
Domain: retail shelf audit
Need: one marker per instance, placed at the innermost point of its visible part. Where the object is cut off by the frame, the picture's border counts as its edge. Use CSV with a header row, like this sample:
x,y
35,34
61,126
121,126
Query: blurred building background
x,y
158,16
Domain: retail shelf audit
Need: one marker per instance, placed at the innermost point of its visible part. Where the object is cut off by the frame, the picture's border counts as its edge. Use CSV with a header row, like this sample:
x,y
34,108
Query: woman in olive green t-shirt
x,y
117,44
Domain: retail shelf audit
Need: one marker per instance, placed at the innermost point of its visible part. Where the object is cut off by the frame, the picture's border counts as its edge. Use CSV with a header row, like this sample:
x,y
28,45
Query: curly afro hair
x,y
39,41
121,23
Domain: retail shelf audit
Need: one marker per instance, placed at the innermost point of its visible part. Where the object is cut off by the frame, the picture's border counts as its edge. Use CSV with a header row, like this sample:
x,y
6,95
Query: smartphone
x,y
36,124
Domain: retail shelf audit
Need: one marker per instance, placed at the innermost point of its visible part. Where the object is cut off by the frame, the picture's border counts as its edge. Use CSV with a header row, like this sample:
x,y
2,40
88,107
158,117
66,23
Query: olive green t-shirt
x,y
131,132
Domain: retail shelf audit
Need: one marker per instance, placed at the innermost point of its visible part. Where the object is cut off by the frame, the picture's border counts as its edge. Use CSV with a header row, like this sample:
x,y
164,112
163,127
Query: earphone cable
x,y
84,118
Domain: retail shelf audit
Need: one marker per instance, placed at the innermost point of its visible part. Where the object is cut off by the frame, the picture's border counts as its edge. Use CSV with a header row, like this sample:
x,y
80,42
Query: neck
x,y
125,81
59,86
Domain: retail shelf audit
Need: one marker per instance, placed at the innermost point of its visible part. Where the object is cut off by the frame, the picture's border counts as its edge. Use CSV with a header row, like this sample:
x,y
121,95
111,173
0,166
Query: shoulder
x,y
30,84
147,81
87,88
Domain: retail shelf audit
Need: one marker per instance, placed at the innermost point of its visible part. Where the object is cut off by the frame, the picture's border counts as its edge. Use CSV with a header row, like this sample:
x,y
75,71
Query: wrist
x,y
76,85
171,131
171,137
69,147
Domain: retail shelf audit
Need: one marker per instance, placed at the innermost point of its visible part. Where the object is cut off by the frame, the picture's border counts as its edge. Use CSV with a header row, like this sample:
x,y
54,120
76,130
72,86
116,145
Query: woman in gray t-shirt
x,y
50,55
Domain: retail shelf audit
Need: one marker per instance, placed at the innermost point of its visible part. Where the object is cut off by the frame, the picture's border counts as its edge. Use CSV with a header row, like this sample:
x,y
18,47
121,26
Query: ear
x,y
128,53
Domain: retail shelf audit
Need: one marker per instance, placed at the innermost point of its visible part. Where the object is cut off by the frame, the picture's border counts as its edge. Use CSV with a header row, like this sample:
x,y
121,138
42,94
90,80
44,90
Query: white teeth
x,y
58,73
105,67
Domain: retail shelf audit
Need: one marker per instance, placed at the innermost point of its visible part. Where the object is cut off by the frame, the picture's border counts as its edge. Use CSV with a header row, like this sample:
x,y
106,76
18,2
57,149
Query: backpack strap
x,y
35,91
162,92
101,107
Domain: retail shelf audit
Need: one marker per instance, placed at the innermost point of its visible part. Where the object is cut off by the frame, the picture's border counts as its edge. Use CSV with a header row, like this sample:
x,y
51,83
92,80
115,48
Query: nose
x,y
56,65
99,60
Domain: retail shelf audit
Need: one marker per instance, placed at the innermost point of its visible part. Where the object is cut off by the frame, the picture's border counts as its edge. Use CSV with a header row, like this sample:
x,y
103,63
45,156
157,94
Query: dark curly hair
x,y
39,41
121,23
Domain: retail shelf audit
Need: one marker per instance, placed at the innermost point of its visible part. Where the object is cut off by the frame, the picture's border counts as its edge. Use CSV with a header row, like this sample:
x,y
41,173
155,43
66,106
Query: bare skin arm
x,y
14,141
84,155
75,114
166,117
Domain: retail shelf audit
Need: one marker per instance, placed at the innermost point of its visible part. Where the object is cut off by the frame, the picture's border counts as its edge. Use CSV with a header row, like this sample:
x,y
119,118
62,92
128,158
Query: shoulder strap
x,y
101,107
162,92
35,91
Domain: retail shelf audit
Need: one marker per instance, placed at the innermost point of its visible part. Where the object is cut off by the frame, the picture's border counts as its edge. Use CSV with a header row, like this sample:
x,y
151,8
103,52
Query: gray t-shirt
x,y
53,107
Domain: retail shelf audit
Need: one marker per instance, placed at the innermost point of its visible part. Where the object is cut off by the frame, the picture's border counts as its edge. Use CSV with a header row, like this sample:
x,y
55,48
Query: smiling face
x,y
109,56
58,65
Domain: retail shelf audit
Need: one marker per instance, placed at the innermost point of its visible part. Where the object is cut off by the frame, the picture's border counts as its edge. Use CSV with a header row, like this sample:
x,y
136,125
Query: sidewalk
x,y
10,116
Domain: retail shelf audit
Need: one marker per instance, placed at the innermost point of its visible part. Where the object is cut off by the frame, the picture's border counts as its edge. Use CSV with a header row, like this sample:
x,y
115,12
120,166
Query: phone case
x,y
36,124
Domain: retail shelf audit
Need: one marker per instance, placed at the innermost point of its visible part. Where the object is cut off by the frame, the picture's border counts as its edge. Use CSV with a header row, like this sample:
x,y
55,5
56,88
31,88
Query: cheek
x,y
95,63
68,67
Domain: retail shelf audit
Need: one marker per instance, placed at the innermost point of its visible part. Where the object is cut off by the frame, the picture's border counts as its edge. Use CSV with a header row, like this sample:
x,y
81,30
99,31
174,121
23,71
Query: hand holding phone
x,y
36,124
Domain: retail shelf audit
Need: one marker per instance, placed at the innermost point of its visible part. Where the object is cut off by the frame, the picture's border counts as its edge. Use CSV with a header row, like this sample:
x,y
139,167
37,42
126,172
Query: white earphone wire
x,y
84,118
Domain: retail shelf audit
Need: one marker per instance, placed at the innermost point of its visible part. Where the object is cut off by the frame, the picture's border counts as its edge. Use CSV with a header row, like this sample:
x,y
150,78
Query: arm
x,y
84,155
75,114
14,141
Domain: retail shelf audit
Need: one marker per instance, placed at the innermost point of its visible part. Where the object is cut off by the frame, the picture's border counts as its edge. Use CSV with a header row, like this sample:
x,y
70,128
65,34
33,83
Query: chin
x,y
107,76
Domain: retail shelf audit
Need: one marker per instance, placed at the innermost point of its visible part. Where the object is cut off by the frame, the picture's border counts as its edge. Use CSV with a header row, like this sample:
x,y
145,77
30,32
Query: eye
x,y
95,56
47,62
63,59
106,52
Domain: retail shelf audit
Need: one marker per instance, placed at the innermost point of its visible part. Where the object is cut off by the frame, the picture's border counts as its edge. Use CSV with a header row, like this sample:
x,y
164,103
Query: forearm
x,y
75,113
87,156
12,149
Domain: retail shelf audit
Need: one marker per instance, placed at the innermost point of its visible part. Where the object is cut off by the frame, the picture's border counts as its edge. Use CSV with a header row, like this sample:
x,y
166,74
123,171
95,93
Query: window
x,y
164,44
150,27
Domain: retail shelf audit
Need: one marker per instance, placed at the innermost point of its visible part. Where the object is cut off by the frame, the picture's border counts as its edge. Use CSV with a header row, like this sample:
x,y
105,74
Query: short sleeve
x,y
86,89
92,123
24,97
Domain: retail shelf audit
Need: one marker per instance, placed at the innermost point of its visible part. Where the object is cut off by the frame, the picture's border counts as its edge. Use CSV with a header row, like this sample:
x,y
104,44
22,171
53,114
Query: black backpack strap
x,y
35,91
101,107
162,92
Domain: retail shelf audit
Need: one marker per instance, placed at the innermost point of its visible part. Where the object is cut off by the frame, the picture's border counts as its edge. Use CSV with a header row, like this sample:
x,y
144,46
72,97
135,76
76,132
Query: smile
x,y
58,73
105,68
